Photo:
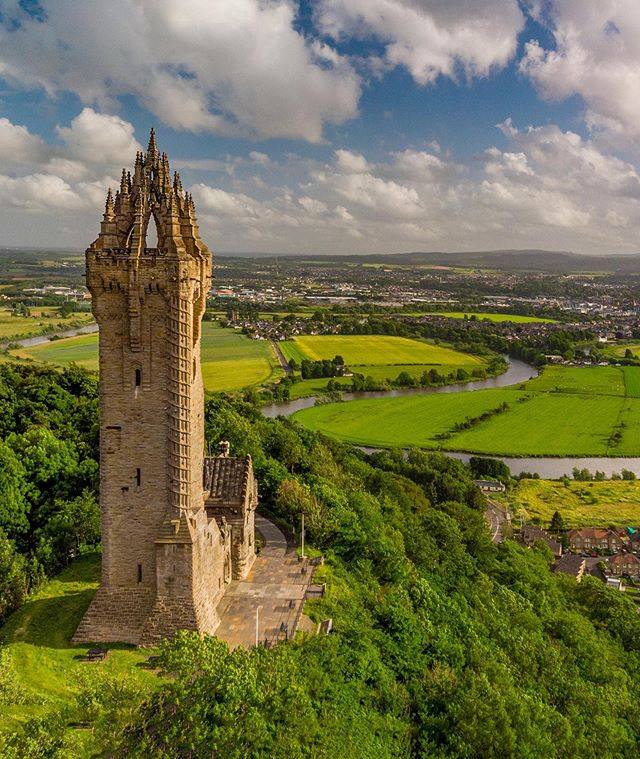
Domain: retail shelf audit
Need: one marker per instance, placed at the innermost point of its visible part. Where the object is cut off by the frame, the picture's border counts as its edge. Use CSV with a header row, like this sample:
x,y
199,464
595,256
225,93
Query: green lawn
x,y
617,350
370,350
81,350
36,642
494,317
40,321
592,411
230,360
582,504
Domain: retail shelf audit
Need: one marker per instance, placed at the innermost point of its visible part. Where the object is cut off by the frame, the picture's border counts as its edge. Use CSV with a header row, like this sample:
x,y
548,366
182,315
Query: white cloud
x,y
596,56
18,145
351,163
430,37
100,138
548,188
38,192
232,66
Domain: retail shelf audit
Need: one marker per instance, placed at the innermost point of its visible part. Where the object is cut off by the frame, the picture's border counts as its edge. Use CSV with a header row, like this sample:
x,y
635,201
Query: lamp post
x,y
257,623
302,536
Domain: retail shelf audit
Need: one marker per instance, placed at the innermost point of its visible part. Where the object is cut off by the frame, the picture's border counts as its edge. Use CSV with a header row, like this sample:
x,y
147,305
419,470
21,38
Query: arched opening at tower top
x,y
152,233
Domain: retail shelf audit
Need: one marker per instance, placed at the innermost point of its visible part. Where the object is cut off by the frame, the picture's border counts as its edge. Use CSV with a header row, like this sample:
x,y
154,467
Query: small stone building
x,y
231,496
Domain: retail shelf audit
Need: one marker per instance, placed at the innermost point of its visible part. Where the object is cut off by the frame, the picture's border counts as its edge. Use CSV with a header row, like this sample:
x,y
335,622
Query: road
x,y
283,361
496,518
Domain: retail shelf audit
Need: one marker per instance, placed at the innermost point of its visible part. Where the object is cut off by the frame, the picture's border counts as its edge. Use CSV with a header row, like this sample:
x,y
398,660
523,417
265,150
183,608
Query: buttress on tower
x,y
170,543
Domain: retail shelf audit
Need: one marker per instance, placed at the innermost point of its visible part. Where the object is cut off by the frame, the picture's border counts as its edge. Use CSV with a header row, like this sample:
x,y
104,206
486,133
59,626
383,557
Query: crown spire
x,y
124,183
152,149
109,208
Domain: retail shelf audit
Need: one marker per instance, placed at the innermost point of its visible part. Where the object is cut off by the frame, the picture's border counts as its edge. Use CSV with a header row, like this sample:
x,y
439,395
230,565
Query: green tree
x,y
13,577
556,525
14,507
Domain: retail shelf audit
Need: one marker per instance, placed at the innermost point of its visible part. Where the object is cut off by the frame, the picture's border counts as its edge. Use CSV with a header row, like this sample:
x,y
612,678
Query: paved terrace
x,y
276,584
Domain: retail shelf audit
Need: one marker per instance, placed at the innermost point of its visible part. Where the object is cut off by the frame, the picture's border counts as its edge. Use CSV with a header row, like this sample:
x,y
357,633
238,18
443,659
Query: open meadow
x,y
41,669
41,320
494,317
582,504
230,360
380,357
374,350
567,411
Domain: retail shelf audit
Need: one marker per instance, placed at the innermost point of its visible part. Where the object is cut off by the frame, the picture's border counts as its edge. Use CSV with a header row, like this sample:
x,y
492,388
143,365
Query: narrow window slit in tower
x,y
139,572
138,477
138,377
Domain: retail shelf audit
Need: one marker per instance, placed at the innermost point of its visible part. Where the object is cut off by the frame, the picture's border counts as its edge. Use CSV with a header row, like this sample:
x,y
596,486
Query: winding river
x,y
550,467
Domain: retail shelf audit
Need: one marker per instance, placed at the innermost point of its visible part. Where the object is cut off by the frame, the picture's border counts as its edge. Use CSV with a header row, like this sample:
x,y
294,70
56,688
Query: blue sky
x,y
335,126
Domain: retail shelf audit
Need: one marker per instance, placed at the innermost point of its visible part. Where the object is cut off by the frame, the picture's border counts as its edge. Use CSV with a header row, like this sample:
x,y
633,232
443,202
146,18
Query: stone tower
x,y
165,562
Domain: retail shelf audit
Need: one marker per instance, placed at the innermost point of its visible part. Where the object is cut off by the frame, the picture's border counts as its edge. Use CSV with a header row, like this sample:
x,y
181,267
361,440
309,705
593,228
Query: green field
x,y
230,360
378,356
591,411
41,320
81,350
617,350
494,317
582,504
374,350
37,652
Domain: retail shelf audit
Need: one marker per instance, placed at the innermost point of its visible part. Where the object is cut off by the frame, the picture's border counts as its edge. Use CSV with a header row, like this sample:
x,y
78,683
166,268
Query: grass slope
x,y
230,360
582,504
36,641
375,350
592,411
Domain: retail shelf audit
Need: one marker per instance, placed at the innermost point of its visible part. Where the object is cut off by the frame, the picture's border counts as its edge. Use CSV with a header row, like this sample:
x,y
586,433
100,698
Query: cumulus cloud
x,y
18,145
38,192
596,55
231,66
66,178
99,138
548,188
431,38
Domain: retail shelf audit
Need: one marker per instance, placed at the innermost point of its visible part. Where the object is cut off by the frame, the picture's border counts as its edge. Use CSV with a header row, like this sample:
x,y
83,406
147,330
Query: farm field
x,y
41,320
618,350
36,646
592,411
582,504
374,350
230,360
494,317
81,350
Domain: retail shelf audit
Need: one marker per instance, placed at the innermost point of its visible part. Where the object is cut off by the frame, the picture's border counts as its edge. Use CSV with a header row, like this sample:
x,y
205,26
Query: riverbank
x,y
547,466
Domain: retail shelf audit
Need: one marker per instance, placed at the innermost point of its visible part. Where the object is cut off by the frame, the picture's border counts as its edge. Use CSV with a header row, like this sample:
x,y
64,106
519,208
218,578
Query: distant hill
x,y
551,261
513,260
526,260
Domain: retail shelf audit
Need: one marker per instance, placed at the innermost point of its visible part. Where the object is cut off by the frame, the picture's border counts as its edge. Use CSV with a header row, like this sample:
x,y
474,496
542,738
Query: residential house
x,y
490,486
530,534
595,539
570,564
624,564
